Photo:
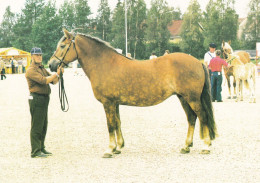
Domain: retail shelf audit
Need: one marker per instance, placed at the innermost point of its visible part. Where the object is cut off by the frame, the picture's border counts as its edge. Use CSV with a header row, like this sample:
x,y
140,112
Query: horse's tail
x,y
208,108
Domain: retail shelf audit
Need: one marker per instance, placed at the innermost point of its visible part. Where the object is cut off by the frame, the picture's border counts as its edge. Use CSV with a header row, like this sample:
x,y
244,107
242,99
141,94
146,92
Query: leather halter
x,y
62,60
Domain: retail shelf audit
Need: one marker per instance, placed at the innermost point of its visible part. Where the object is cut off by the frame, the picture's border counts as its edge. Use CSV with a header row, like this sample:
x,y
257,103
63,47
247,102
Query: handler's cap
x,y
212,45
36,51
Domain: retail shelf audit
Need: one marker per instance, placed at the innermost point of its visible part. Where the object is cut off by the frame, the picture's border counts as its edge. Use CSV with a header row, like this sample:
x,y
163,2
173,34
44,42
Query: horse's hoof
x,y
191,145
205,152
185,150
234,97
117,152
229,97
107,155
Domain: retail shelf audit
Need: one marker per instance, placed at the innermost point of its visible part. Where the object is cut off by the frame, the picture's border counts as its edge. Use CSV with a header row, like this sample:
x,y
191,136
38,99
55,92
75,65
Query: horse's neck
x,y
93,57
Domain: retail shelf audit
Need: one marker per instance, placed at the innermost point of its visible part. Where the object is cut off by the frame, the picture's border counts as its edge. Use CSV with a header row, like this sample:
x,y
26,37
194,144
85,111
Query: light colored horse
x,y
229,54
244,74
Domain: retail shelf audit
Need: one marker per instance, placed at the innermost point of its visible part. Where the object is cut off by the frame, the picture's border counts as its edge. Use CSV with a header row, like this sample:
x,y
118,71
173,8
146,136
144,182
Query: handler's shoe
x,y
40,155
46,153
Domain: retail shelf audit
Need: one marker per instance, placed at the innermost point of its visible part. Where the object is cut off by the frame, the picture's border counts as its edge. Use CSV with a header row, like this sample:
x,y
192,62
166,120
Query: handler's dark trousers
x,y
39,121
216,82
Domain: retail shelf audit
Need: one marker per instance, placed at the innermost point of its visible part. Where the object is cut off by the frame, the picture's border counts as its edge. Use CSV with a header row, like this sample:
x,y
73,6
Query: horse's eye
x,y
62,46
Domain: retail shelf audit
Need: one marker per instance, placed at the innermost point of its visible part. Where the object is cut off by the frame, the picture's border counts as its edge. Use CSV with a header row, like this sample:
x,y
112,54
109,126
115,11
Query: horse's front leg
x,y
229,86
237,89
234,86
241,90
119,135
110,110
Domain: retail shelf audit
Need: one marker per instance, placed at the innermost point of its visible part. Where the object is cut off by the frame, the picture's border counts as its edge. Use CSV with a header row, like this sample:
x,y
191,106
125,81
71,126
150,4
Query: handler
x,y
216,76
38,79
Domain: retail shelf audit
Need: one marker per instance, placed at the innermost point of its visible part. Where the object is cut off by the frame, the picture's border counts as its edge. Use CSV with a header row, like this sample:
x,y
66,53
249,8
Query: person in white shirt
x,y
153,56
210,55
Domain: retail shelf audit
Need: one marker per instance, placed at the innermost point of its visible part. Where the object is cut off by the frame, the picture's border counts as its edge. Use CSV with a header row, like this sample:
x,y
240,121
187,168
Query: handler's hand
x,y
60,69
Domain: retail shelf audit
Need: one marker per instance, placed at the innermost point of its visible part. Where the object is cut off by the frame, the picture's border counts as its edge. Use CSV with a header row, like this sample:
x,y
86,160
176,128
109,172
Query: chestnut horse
x,y
229,54
117,80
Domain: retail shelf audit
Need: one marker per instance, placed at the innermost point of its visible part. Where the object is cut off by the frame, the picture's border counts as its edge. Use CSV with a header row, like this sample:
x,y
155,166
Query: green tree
x,y
136,16
103,28
220,22
47,31
6,27
23,27
82,13
67,14
191,32
118,27
252,30
157,34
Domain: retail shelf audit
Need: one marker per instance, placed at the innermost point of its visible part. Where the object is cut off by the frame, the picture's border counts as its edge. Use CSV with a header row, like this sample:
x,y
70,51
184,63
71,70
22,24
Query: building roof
x,y
175,28
11,51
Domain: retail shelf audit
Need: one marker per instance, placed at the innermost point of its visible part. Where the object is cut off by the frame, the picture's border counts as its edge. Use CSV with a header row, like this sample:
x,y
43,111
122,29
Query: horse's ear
x,y
229,42
223,43
67,34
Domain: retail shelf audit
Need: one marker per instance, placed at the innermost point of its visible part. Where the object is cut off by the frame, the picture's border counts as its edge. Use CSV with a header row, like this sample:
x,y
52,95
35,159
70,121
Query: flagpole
x,y
125,28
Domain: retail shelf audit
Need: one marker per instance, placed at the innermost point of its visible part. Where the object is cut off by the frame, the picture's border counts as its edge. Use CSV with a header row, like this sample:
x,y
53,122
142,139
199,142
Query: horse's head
x,y
65,53
227,48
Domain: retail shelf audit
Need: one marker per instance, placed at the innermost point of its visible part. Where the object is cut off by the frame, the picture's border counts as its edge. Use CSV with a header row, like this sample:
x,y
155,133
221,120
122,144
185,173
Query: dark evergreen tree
x,y
252,30
191,32
47,30
118,27
157,34
82,16
220,22
23,27
104,24
67,13
136,16
6,27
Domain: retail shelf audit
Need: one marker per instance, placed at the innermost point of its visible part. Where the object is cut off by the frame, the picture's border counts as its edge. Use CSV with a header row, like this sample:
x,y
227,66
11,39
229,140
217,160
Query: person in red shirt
x,y
216,76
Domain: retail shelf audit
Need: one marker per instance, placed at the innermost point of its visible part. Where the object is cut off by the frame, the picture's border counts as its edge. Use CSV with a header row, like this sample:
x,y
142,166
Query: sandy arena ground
x,y
153,138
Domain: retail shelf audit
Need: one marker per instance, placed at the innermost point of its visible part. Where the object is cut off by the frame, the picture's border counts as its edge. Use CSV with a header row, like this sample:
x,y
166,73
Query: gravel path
x,y
153,138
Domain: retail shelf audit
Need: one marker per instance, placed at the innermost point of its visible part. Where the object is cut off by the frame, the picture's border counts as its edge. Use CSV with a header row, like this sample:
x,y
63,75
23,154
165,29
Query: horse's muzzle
x,y
53,65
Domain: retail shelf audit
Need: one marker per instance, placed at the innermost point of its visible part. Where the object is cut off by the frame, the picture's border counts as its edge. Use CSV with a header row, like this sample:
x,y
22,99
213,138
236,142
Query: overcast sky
x,y
241,6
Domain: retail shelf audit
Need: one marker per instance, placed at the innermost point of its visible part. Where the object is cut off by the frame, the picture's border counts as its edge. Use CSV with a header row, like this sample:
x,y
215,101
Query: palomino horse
x,y
117,80
244,73
228,52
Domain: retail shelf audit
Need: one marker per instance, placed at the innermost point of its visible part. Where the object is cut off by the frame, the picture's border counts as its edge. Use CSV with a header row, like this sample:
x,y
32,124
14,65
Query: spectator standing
x,y
20,66
216,76
153,56
2,69
210,55
12,62
24,64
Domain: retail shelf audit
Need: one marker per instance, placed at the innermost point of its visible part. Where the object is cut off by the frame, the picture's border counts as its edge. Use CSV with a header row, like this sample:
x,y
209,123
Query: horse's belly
x,y
144,99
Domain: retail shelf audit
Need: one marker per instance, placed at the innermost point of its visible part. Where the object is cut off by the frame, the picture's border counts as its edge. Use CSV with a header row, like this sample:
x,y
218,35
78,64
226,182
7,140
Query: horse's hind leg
x,y
120,139
191,117
204,130
110,110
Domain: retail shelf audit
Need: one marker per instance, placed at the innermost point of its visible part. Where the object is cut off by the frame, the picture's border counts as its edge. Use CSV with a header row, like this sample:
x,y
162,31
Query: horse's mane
x,y
104,43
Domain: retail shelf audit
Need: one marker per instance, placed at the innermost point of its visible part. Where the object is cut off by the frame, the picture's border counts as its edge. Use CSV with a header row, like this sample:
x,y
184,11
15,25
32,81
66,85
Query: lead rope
x,y
62,94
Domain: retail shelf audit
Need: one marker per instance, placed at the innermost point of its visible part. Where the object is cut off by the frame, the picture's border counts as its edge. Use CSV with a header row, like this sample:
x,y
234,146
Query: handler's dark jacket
x,y
36,77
